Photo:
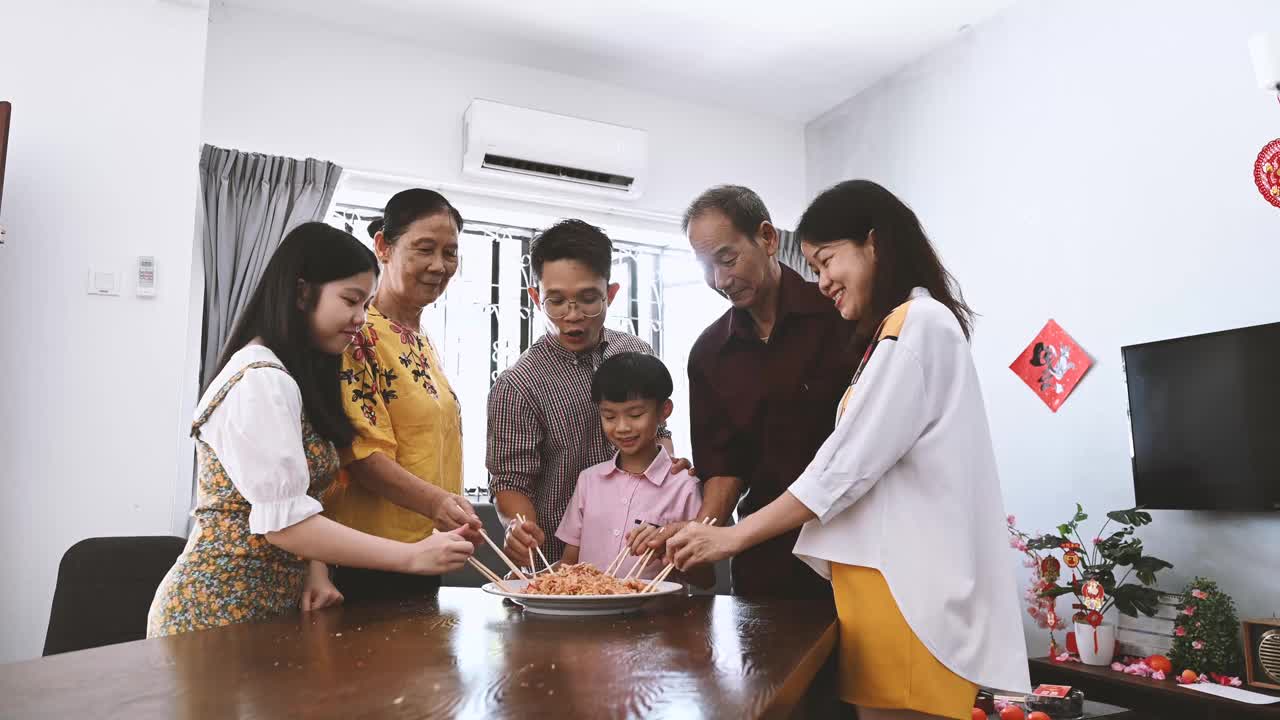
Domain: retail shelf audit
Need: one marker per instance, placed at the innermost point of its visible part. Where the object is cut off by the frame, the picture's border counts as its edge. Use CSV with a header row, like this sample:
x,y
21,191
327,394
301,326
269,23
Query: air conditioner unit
x,y
555,152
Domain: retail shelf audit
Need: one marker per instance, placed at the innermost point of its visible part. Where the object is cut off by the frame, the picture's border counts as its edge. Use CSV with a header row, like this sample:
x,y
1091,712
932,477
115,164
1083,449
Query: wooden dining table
x,y
464,653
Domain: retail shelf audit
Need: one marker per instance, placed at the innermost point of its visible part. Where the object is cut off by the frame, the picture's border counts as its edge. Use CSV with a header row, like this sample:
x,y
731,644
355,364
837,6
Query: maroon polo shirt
x,y
760,411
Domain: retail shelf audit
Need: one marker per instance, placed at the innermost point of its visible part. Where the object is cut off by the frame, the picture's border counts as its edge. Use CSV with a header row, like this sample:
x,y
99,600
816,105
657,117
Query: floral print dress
x,y
227,573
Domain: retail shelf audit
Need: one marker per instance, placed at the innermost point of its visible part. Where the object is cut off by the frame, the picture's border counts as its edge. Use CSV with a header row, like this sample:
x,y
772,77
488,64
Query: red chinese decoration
x,y
1050,569
1093,595
1052,365
1266,172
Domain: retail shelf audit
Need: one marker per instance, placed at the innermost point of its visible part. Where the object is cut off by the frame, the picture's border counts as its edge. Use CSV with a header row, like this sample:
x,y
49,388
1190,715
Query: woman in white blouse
x,y
265,434
901,508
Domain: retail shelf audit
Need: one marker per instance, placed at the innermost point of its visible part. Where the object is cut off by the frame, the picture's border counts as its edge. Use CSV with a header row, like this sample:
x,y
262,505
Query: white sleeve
x,y
257,435
884,418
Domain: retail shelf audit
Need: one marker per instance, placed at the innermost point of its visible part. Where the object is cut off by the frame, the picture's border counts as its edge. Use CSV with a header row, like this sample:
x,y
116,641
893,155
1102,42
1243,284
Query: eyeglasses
x,y
558,308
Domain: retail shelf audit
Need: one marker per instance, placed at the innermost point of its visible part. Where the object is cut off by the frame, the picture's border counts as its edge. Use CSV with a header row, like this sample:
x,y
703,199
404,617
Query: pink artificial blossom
x,y
1198,644
1180,631
1097,541
1011,520
1199,594
1189,610
1157,675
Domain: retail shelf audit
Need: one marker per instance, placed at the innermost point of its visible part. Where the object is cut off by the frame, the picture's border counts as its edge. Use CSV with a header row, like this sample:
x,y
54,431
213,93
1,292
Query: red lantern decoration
x,y
1050,569
1266,172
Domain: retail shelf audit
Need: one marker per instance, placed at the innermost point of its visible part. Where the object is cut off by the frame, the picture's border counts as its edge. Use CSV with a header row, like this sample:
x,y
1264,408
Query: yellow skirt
x,y
882,663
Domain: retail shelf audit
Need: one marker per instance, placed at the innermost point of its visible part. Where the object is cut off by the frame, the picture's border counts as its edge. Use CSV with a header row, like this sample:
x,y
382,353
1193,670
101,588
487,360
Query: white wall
x,y
102,168
298,87
1089,162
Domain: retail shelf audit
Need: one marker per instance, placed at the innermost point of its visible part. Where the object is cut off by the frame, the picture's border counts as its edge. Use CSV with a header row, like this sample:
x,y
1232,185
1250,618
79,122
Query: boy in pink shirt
x,y
636,487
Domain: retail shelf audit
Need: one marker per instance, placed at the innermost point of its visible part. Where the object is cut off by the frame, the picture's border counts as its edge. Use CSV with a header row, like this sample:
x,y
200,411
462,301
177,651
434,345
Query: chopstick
x,y
520,517
503,555
643,562
491,575
640,565
617,561
667,570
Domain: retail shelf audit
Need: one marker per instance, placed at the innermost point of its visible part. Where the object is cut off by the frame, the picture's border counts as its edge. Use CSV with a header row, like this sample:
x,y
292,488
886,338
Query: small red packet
x,y
1057,691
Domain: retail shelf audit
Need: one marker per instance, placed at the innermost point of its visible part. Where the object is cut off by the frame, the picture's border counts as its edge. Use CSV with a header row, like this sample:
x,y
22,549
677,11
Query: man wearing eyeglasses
x,y
544,430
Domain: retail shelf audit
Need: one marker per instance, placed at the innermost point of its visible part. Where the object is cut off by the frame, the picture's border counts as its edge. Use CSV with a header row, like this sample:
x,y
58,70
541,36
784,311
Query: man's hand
x,y
679,464
523,538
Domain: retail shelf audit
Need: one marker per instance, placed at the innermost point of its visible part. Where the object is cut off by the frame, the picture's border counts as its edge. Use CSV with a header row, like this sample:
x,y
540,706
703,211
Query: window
x,y
485,319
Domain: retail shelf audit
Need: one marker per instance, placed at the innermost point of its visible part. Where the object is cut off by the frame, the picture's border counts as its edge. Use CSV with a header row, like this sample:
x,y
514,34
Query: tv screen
x,y
1204,419
6,110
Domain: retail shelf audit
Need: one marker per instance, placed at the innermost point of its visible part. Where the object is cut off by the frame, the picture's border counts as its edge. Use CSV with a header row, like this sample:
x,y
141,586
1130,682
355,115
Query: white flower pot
x,y
1106,643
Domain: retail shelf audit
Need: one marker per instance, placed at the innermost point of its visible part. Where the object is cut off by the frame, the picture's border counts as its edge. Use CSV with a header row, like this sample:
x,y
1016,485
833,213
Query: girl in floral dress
x,y
266,430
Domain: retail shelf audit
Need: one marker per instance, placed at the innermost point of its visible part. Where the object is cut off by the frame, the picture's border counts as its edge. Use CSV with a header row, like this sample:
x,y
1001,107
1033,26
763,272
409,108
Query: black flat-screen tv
x,y
1204,420
6,111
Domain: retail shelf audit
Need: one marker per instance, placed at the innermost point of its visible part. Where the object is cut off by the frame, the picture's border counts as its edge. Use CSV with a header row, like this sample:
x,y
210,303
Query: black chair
x,y
105,587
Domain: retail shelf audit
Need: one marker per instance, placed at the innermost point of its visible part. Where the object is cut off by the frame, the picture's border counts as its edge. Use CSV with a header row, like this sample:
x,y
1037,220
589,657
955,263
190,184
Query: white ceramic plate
x,y
580,604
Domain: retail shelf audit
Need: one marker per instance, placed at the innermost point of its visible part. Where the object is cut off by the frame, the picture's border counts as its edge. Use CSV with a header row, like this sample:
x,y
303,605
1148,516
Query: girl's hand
x,y
439,553
698,544
318,590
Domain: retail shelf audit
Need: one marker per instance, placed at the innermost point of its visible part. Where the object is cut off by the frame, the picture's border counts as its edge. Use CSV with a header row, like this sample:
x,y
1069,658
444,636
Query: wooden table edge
x,y
793,688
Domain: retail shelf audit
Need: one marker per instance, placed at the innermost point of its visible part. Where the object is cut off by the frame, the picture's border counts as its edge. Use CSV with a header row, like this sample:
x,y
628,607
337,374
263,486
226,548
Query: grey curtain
x,y
789,255
250,202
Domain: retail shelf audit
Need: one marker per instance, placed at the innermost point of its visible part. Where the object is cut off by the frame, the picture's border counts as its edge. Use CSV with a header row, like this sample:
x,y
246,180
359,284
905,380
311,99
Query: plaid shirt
x,y
543,428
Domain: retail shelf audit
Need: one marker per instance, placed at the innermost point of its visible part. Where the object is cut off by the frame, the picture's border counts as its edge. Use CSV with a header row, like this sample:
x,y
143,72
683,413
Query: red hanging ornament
x,y
1094,618
1266,172
1071,558
1050,569
1093,595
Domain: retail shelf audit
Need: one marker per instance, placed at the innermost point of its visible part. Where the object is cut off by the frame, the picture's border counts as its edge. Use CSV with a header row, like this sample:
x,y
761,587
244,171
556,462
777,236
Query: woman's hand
x,y
450,512
318,590
698,544
440,553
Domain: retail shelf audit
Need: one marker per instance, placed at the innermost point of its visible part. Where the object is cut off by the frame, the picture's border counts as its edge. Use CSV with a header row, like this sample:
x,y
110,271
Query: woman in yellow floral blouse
x,y
265,434
404,468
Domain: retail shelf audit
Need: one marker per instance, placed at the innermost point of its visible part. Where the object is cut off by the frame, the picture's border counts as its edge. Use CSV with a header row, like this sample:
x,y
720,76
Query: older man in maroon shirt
x,y
764,380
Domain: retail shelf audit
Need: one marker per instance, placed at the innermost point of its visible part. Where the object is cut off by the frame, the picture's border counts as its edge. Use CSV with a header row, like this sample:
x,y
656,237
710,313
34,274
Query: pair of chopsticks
x,y
480,567
621,557
491,575
653,584
532,565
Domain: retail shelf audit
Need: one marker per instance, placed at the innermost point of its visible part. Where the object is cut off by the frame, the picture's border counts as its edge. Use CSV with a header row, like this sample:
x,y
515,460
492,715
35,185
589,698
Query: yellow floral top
x,y
400,402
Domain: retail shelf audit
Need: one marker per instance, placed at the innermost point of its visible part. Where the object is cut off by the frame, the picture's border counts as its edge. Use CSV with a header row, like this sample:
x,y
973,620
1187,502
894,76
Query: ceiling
x,y
793,60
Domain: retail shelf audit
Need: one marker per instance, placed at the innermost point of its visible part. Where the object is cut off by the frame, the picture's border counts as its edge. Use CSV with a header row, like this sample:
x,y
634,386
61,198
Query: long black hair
x,y
311,255
905,259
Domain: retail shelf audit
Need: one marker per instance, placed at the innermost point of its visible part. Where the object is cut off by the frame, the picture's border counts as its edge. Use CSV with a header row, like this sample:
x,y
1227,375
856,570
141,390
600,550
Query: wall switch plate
x,y
104,282
146,285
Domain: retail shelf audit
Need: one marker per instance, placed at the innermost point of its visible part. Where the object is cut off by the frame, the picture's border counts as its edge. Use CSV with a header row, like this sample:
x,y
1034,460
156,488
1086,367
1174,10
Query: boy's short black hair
x,y
572,240
631,376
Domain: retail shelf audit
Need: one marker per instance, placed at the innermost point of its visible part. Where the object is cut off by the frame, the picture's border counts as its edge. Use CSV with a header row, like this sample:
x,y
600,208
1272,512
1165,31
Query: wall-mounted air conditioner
x,y
555,152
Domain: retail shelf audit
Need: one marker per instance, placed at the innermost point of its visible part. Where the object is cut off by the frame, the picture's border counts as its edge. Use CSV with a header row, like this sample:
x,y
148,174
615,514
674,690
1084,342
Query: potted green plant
x,y
1090,575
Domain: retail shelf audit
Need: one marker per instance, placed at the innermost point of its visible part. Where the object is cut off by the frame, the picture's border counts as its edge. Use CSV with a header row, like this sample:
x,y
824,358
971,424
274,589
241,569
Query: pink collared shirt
x,y
609,501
